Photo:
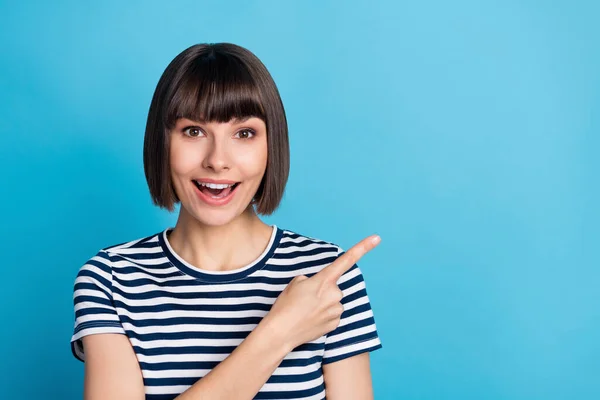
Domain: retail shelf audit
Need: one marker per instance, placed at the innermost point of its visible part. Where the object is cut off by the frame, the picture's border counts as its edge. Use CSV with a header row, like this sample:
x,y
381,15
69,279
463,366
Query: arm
x,y
349,379
346,361
112,370
251,363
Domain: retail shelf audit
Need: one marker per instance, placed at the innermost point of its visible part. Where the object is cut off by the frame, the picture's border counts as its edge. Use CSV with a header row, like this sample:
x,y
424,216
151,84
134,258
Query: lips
x,y
221,182
215,192
216,197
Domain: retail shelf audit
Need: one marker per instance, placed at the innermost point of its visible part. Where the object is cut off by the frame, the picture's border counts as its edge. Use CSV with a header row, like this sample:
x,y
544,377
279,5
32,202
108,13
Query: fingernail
x,y
376,240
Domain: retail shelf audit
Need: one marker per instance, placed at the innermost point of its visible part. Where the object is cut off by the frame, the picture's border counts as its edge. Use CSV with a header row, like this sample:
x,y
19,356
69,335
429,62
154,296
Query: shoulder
x,y
311,254
101,263
138,245
305,251
292,238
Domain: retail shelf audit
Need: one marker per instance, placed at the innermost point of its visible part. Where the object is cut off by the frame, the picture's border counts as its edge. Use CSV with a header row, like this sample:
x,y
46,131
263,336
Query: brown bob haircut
x,y
216,82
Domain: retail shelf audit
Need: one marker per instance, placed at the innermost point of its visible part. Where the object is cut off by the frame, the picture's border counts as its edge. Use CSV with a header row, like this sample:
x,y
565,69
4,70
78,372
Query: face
x,y
216,168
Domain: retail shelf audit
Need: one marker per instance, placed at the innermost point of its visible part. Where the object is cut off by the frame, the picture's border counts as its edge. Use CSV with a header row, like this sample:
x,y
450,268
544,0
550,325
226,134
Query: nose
x,y
216,156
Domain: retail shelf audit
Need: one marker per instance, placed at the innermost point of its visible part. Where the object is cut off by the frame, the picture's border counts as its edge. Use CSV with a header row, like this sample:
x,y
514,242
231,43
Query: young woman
x,y
222,306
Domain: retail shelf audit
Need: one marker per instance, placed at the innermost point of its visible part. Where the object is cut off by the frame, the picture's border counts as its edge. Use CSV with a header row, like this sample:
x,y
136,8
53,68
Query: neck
x,y
223,247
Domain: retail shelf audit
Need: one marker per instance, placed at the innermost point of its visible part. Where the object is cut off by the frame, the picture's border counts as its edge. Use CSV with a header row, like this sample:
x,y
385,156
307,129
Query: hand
x,y
311,307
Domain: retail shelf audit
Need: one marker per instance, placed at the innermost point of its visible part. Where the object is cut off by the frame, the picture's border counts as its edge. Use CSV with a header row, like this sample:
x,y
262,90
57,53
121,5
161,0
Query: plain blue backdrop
x,y
465,133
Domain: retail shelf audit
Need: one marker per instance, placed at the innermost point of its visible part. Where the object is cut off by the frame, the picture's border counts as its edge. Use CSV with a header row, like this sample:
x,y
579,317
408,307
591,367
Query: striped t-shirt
x,y
182,321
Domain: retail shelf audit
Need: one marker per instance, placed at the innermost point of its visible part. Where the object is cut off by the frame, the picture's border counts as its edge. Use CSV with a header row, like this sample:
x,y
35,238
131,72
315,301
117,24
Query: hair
x,y
216,82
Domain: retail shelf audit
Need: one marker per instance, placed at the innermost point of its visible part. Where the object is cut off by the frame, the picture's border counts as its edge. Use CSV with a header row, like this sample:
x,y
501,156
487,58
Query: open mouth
x,y
216,191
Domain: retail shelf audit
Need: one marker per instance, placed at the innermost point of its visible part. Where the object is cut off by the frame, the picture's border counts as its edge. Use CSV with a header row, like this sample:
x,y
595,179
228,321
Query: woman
x,y
222,306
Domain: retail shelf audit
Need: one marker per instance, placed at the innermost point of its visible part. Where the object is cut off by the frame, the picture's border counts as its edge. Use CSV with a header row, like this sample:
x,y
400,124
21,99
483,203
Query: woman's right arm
x,y
305,310
112,370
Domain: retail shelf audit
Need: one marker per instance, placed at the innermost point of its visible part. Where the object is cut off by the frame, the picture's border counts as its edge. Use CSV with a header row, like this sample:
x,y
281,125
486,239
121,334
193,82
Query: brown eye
x,y
246,134
192,131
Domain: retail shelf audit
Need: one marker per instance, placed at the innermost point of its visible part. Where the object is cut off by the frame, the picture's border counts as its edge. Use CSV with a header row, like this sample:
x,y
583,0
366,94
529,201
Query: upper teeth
x,y
214,185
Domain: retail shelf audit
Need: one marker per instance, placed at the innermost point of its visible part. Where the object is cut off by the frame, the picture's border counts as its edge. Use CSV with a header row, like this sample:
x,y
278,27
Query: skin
x,y
229,237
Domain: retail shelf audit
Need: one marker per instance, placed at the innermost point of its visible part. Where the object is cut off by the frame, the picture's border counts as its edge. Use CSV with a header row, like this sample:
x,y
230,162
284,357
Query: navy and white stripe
x,y
182,321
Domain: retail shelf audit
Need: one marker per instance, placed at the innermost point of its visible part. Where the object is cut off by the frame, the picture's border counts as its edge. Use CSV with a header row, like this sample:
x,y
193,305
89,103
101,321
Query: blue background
x,y
465,133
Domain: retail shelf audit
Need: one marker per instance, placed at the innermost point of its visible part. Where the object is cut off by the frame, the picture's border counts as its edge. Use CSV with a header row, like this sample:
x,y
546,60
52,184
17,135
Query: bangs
x,y
215,88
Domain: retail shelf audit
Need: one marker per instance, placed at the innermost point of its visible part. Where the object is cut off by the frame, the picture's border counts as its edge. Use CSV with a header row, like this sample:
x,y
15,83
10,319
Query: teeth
x,y
214,185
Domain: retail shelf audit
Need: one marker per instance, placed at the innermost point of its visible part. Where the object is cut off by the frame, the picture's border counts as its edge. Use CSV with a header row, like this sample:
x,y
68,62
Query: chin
x,y
214,217
209,216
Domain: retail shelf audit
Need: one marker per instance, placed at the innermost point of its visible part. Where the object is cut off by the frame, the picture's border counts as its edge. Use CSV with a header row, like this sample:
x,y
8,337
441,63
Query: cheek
x,y
183,159
253,162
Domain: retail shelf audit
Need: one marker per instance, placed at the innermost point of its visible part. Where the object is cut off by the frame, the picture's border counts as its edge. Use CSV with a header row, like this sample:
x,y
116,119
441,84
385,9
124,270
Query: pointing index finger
x,y
335,270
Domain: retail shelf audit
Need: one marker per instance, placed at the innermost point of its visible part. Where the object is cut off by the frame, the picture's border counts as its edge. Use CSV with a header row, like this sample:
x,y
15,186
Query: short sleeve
x,y
93,302
356,332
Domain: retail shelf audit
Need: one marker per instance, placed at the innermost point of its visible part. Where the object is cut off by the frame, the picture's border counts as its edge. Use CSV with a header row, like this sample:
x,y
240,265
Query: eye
x,y
194,131
246,134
